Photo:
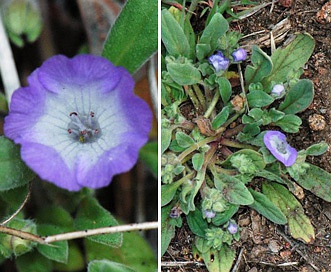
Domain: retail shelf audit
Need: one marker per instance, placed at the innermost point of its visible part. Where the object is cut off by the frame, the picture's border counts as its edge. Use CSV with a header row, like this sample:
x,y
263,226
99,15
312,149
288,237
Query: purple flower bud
x,y
209,213
278,90
219,61
175,212
232,228
239,55
276,143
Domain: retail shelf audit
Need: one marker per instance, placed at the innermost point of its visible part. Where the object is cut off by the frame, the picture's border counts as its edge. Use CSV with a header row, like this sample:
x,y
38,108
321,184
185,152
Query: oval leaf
x,y
289,123
91,215
168,191
173,36
105,265
225,89
298,98
317,149
221,117
197,224
290,58
299,224
262,66
134,36
318,181
219,261
183,139
233,189
13,172
258,99
265,207
183,73
149,155
197,161
57,251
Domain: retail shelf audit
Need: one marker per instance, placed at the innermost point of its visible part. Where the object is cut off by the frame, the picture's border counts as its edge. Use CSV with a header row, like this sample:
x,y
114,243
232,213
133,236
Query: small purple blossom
x,y
175,212
78,122
278,90
232,228
276,143
218,61
239,55
209,213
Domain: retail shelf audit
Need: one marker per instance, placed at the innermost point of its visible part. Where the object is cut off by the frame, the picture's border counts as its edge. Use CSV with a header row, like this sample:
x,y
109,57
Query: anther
x,y
92,114
73,113
69,131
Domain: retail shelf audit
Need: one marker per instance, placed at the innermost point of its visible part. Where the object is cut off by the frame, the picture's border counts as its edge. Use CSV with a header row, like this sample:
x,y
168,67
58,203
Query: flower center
x,y
83,128
281,147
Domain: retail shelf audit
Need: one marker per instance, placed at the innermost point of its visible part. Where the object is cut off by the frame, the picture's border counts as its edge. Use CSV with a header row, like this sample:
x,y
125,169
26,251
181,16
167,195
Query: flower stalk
x,y
8,69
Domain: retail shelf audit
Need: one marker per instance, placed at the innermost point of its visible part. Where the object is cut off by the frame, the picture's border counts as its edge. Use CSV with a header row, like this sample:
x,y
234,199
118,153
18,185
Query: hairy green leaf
x,y
134,36
219,261
57,251
316,180
173,36
92,215
184,73
298,98
262,66
233,189
216,28
13,172
265,207
225,88
197,161
317,149
149,155
106,265
258,98
33,261
291,58
168,228
299,224
289,123
197,224
168,191
221,117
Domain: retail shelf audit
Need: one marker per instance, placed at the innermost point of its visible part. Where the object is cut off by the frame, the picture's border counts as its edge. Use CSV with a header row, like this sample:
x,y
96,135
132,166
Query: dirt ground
x,y
264,246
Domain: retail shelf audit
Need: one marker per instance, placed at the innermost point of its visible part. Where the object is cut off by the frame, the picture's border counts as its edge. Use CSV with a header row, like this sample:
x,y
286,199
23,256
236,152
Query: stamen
x,y
83,128
281,147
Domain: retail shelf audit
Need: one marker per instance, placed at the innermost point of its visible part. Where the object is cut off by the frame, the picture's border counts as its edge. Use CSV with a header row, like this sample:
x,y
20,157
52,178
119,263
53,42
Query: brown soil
x,y
264,246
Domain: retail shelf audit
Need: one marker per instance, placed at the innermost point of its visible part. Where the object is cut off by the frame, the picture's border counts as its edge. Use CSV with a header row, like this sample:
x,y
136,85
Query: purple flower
x,y
209,213
218,61
278,90
232,228
276,143
78,122
239,55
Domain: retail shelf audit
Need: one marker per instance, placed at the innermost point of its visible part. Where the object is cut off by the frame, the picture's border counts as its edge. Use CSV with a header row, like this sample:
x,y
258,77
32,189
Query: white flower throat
x,y
84,127
281,147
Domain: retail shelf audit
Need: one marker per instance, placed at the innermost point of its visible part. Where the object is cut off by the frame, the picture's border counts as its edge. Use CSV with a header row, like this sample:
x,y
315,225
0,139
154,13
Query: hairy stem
x,y
212,104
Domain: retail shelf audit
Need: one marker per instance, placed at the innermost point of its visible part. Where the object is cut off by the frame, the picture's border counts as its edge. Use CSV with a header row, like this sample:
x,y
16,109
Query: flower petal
x,y
60,73
87,87
276,143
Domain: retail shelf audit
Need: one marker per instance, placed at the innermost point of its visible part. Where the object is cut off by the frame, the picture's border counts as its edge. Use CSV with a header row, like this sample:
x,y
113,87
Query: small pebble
x,y
274,246
324,15
285,254
316,122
